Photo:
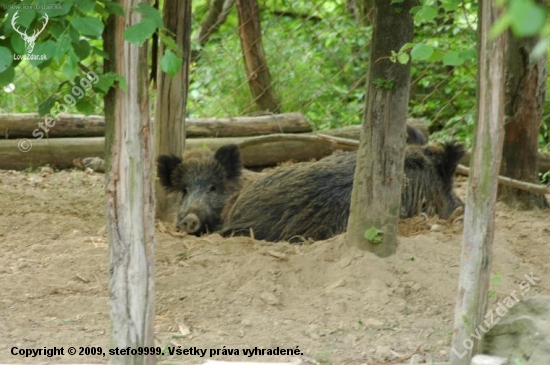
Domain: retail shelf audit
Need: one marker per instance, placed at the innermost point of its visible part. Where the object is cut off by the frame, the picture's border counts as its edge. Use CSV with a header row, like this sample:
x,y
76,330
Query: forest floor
x,y
336,304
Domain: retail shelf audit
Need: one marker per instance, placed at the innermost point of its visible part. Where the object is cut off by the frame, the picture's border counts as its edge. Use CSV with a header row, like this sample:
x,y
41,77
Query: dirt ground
x,y
339,305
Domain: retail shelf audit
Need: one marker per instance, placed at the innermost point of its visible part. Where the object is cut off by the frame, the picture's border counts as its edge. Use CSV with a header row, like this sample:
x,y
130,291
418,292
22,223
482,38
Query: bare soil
x,y
339,305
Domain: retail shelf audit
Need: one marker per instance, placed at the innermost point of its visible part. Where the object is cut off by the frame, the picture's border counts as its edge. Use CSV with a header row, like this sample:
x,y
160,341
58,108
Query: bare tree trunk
x,y
525,95
477,244
130,200
259,79
376,195
172,92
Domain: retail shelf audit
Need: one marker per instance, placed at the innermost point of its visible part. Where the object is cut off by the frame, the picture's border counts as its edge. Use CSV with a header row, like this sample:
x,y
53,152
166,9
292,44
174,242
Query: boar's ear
x,y
230,158
449,159
165,166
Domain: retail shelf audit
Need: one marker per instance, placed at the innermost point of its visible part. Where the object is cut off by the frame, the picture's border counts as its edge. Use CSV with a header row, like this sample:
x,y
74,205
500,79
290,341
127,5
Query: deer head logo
x,y
29,40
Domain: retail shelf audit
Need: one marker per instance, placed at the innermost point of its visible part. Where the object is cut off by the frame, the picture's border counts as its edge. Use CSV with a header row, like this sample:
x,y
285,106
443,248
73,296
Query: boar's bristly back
x,y
229,157
165,166
450,157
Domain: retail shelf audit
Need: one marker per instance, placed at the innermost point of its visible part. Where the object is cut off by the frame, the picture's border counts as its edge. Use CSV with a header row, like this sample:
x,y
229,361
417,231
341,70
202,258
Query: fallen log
x,y
24,125
354,131
31,126
543,160
276,148
256,151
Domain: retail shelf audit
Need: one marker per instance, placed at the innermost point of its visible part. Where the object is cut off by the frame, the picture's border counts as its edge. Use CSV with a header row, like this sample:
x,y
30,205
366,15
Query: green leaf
x,y
82,49
422,52
114,8
406,47
149,12
7,76
468,55
46,48
24,20
425,14
396,2
452,59
85,106
18,45
85,6
70,67
436,56
59,11
450,5
6,58
374,235
403,58
500,26
170,63
88,26
170,44
63,46
527,17
105,82
140,32
45,107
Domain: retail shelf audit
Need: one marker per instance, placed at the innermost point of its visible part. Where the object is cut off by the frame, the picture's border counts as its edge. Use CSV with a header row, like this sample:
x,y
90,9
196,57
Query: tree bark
x,y
24,125
130,200
216,16
172,92
376,194
257,71
525,95
68,125
479,216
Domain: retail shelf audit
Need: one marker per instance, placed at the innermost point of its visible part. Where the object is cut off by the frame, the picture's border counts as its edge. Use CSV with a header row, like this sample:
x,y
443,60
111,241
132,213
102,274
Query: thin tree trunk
x,y
216,16
130,200
525,95
477,244
376,195
171,107
257,71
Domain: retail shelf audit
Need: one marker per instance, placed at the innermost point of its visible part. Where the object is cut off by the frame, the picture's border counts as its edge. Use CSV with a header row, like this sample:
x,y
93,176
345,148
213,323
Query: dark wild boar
x,y
205,181
312,199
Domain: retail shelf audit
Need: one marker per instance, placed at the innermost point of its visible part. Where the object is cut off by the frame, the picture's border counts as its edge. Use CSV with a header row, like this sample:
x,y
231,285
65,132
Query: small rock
x,y
415,287
435,228
269,298
336,284
46,170
373,322
382,352
416,359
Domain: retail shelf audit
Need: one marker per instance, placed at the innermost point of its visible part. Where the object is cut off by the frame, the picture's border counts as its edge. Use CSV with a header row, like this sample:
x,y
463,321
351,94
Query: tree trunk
x,y
172,92
259,79
476,257
216,16
525,95
376,195
130,200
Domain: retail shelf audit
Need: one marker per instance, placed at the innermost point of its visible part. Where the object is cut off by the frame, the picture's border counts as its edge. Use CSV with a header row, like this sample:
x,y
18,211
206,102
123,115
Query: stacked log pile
x,y
264,140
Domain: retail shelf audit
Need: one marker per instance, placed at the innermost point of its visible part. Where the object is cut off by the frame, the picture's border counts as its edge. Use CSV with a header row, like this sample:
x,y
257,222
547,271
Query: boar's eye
x,y
184,191
212,188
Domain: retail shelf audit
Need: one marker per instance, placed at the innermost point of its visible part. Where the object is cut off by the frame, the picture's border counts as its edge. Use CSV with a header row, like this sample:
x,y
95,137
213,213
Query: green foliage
x,y
317,72
524,17
374,235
